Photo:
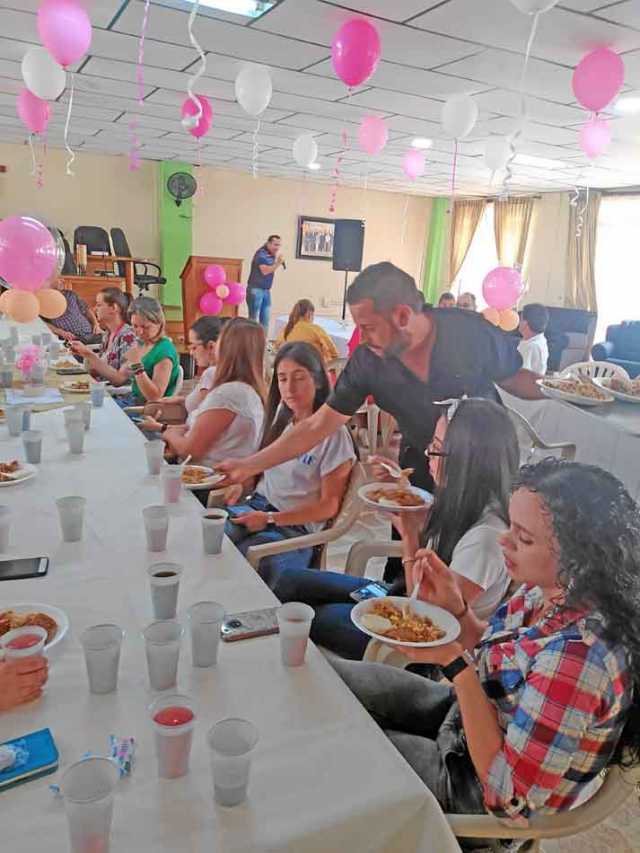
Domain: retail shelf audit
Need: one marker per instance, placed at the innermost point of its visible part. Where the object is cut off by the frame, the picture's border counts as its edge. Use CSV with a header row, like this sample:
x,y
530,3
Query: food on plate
x,y
9,620
79,385
8,470
398,496
390,621
624,386
66,364
192,475
578,387
2,413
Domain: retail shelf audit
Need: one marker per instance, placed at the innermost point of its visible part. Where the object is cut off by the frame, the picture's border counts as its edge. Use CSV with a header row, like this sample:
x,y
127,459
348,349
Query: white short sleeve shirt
x,y
535,353
205,383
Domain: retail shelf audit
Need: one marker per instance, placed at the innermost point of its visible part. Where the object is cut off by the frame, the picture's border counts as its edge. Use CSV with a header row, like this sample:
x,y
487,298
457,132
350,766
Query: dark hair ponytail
x,y
208,328
115,296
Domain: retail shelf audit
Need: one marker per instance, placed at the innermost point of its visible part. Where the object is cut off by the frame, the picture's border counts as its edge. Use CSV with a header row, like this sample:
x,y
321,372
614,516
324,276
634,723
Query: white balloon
x,y
305,150
496,153
42,74
254,89
459,115
532,7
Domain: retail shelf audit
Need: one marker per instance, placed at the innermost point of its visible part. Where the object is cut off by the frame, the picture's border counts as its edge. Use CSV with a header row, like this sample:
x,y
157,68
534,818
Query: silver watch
x,y
270,519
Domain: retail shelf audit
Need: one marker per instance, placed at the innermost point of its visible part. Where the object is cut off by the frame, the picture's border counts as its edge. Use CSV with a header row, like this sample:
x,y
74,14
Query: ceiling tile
x,y
113,45
547,112
534,131
627,13
398,10
171,98
395,102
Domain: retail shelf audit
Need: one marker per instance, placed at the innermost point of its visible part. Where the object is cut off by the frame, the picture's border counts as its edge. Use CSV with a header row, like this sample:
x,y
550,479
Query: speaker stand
x,y
344,295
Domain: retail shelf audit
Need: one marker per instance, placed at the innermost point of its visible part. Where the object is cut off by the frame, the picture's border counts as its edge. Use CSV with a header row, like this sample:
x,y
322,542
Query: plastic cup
x,y
14,336
171,477
101,644
156,527
14,419
36,340
97,393
47,337
54,349
6,377
75,435
154,451
231,743
162,646
165,585
5,528
84,413
9,353
173,719
71,511
294,622
26,418
205,619
213,522
26,642
32,441
38,372
87,787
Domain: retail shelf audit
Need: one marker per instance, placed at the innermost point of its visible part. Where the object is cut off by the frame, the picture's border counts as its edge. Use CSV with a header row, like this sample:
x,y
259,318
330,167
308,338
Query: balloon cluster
x,y
220,291
596,81
65,31
31,257
501,289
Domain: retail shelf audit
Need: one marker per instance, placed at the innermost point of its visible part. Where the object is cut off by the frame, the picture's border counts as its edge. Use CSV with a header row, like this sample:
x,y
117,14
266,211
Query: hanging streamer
x,y
34,162
70,151
336,172
40,169
404,221
254,158
192,121
134,150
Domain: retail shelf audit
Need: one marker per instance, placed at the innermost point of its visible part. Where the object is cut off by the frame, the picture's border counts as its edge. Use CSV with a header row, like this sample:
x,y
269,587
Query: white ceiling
x,y
431,49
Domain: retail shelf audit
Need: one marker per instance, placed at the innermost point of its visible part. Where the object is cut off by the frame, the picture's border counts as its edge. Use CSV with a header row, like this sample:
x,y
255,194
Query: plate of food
x,y
575,390
14,472
422,626
118,390
54,621
394,497
200,477
77,386
627,390
68,366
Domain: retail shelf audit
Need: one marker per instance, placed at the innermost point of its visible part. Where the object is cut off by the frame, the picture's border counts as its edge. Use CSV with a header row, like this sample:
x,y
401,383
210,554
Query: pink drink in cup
x,y
88,787
24,642
171,477
294,622
173,719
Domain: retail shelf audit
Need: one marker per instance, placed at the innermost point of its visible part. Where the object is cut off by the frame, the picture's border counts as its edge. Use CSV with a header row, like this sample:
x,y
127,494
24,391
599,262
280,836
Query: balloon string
x,y
336,171
203,63
139,69
40,178
404,221
72,155
254,163
453,170
34,163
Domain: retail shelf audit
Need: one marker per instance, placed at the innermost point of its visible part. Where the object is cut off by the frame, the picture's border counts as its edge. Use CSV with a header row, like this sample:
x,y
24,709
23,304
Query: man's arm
x,y
265,269
523,384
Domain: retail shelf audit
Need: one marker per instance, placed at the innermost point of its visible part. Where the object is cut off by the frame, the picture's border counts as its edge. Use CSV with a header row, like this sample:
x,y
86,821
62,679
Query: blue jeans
x,y
259,305
270,568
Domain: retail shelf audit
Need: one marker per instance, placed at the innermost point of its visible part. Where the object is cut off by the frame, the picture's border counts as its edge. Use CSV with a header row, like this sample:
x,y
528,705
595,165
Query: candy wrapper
x,y
122,750
14,756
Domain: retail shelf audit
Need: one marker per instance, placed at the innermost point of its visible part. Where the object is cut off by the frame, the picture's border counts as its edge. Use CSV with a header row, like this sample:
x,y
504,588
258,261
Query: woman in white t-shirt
x,y
302,495
473,458
229,417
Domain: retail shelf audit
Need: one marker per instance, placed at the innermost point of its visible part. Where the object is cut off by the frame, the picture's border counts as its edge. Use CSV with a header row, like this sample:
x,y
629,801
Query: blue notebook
x,y
37,756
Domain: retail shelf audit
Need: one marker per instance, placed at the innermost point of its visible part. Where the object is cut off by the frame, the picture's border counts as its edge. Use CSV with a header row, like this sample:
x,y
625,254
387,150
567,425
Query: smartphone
x,y
26,567
374,589
235,511
250,623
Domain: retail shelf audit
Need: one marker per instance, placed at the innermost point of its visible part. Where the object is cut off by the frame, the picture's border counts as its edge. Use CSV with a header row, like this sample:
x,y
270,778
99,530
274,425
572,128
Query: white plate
x,y
619,395
442,618
211,480
68,387
58,615
558,394
118,390
70,371
25,472
363,494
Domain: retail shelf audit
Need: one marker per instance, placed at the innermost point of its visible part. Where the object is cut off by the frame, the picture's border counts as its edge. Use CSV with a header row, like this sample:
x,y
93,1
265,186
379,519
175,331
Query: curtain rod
x,y
622,191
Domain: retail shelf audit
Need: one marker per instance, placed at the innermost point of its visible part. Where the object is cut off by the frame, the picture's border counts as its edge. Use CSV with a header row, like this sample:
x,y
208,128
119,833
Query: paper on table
x,y
49,395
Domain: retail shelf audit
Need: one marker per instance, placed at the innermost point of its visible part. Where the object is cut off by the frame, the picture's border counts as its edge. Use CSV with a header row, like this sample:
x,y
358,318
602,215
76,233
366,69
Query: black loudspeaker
x,y
348,242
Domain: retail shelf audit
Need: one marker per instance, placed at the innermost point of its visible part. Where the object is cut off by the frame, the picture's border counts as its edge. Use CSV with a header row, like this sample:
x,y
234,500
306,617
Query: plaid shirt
x,y
562,693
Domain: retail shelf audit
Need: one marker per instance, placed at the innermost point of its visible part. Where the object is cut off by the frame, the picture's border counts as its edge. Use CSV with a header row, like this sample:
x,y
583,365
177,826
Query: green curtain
x,y
436,240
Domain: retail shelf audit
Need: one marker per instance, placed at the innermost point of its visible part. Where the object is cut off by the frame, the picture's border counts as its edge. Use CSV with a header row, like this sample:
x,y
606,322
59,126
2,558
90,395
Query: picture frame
x,y
315,238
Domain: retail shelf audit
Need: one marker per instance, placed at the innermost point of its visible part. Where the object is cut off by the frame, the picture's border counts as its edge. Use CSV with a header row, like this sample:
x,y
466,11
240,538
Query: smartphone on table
x,y
249,623
23,568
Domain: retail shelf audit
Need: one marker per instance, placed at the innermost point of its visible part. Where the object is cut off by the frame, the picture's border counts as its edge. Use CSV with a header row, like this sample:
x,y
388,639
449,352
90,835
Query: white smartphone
x,y
250,623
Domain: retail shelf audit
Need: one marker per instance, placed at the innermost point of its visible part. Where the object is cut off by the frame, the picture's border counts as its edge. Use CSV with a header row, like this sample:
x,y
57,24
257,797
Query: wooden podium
x,y
193,287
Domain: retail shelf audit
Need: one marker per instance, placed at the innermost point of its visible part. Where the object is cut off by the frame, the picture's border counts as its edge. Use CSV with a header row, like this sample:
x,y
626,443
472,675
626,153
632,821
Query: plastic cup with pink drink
x,y
294,622
171,478
173,719
28,641
87,787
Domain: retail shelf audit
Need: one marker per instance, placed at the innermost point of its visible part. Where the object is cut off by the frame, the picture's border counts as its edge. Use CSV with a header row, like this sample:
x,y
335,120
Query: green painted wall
x,y
436,245
175,229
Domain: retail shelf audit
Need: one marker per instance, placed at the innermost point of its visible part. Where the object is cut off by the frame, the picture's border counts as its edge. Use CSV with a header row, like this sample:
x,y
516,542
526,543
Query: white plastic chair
x,y
179,381
529,440
595,370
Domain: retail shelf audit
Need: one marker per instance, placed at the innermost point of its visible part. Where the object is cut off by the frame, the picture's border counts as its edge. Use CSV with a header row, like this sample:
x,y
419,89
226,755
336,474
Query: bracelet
x,y
163,428
408,561
463,612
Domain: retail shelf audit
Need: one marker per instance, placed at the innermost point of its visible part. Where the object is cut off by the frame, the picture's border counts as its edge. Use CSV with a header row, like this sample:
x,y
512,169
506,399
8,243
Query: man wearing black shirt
x,y
409,357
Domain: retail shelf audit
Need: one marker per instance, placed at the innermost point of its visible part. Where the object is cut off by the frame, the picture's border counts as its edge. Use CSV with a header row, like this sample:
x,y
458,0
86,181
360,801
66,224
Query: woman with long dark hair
x,y
300,327
112,311
547,693
301,495
473,459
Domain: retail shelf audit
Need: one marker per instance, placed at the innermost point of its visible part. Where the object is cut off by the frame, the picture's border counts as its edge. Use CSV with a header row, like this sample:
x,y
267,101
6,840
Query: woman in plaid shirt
x,y
549,696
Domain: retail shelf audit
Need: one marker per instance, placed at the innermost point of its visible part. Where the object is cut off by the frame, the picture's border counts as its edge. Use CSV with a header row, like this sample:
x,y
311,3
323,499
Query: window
x,y
481,257
617,262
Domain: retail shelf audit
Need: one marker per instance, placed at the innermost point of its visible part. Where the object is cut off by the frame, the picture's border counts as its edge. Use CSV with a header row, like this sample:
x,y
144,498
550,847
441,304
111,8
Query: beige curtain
x,y
466,218
581,284
512,218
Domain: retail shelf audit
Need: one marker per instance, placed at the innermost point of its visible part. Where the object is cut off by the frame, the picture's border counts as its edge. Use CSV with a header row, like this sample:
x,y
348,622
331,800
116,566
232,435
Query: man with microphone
x,y
263,266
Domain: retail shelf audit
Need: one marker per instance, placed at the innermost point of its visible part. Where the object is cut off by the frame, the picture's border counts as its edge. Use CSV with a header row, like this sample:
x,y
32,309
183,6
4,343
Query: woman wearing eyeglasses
x,y
473,459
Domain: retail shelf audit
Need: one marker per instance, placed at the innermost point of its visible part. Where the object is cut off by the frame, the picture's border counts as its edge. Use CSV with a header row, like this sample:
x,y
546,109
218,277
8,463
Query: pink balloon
x,y
355,51
214,275
595,137
65,30
209,303
237,293
373,134
27,253
204,123
33,111
502,287
598,78
414,163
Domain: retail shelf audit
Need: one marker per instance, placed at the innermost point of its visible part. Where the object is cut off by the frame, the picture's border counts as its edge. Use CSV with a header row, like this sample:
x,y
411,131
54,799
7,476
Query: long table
x,y
324,777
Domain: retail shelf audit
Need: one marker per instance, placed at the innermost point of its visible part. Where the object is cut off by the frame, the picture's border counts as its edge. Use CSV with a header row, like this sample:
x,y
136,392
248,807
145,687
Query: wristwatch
x,y
270,519
453,669
136,367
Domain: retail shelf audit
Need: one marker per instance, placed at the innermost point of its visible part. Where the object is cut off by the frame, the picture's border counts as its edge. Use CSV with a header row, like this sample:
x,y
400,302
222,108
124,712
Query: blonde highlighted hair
x,y
241,347
150,310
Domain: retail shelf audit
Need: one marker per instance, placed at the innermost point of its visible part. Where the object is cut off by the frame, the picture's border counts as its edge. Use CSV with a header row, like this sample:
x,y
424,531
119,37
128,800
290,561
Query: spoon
x,y
407,609
184,464
395,472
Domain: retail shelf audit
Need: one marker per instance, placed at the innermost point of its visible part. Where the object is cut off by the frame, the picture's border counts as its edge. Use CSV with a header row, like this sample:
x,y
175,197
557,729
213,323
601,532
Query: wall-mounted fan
x,y
181,185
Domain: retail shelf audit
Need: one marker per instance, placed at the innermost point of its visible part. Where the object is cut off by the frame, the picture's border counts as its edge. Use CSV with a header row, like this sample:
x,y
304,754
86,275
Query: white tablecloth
x,y
324,776
339,331
608,436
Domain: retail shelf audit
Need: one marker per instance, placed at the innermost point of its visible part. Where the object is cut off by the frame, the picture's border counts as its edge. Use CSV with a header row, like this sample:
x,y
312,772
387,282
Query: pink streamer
x,y
336,172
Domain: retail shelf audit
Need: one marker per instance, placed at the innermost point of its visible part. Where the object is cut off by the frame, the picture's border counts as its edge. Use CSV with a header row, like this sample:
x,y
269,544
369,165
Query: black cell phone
x,y
26,567
251,623
374,589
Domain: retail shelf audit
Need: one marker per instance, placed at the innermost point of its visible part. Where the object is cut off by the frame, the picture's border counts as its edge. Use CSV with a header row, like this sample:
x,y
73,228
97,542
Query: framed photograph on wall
x,y
315,238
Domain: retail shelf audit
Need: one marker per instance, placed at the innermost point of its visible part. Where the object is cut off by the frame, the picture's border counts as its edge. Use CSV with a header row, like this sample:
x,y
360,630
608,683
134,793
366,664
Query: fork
x,y
407,610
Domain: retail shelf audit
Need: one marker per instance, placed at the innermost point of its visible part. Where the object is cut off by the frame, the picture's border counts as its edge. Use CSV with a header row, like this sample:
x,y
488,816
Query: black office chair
x,y
70,266
142,278
93,237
